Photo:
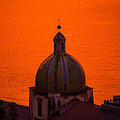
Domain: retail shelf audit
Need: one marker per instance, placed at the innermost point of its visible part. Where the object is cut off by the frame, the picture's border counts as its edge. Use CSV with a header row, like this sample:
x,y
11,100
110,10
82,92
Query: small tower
x,y
59,43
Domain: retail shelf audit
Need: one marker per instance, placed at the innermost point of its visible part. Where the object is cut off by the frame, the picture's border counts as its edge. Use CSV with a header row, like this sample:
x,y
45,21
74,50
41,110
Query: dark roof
x,y
67,105
22,111
59,36
81,111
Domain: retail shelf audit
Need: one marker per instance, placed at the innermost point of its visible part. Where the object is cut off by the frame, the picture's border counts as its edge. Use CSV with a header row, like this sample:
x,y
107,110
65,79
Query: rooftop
x,y
79,111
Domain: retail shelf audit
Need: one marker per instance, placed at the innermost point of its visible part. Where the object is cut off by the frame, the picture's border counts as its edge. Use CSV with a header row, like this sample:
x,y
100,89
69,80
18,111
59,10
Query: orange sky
x,y
91,28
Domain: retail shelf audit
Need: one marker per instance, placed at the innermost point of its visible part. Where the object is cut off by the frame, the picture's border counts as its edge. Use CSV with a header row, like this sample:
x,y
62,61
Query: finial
x,y
59,27
59,21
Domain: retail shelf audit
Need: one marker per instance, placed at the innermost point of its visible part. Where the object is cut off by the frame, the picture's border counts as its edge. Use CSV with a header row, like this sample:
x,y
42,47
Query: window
x,y
62,46
39,106
57,46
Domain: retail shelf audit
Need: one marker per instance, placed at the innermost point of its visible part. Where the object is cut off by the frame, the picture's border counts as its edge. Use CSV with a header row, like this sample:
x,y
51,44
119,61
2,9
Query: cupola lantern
x,y
59,43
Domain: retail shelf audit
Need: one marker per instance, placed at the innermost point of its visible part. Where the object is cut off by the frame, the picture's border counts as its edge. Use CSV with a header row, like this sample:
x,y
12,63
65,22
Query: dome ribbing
x,y
60,72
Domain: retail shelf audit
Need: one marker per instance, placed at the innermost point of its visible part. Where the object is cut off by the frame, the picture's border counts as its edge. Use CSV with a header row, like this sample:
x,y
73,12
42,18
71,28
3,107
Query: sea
x,y
92,32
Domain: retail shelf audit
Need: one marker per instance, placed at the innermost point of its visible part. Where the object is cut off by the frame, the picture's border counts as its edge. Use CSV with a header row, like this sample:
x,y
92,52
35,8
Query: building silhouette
x,y
111,109
60,84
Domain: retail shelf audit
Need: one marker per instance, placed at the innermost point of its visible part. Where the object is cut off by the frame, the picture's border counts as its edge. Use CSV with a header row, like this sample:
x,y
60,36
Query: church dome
x,y
60,72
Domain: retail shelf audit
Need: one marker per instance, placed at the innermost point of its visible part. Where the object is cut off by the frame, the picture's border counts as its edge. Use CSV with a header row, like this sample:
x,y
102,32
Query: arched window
x,y
39,100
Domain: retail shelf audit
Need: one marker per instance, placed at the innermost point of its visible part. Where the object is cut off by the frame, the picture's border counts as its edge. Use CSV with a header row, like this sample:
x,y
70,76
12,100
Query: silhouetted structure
x,y
12,112
111,109
2,110
59,79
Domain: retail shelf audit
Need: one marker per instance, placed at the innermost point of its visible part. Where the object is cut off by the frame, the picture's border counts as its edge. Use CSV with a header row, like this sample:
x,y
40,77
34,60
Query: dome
x,y
60,73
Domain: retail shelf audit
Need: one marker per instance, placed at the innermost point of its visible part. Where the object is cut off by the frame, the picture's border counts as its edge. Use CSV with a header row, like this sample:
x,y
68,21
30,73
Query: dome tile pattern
x,y
60,73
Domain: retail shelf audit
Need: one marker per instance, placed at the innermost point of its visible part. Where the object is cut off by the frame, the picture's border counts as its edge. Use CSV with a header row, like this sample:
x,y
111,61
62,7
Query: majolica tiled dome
x,y
60,72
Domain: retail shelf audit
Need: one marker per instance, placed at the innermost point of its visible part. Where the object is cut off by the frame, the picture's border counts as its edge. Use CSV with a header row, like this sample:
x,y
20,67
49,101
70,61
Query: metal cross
x,y
58,21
